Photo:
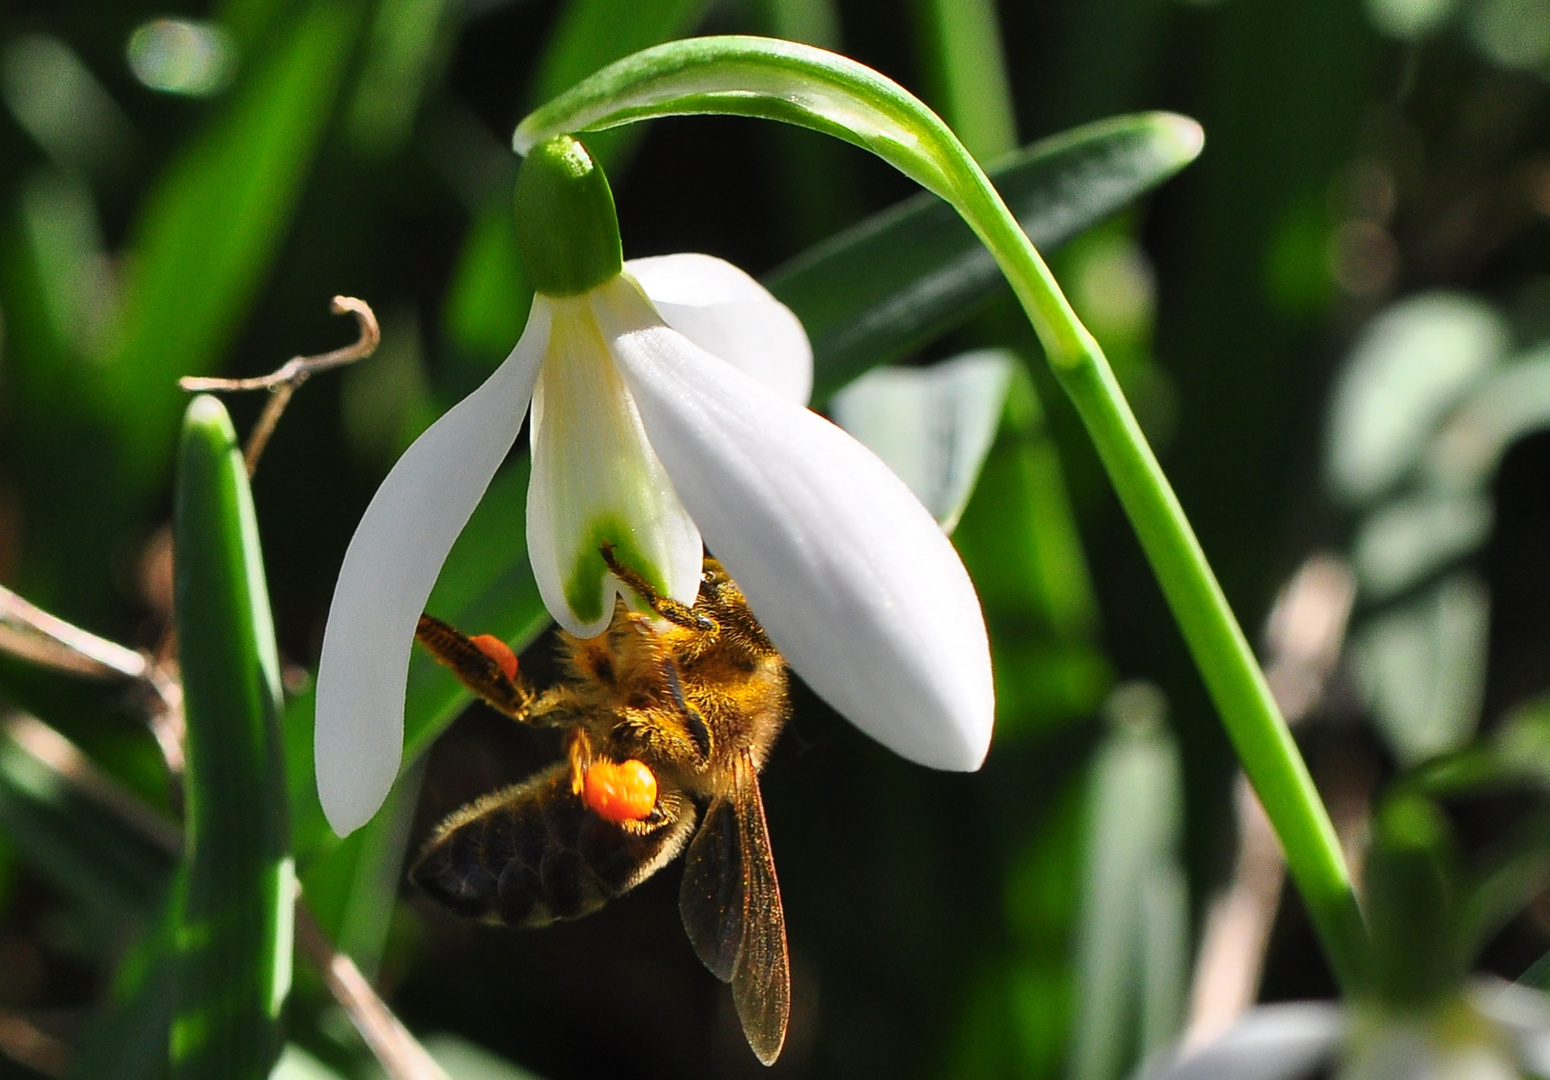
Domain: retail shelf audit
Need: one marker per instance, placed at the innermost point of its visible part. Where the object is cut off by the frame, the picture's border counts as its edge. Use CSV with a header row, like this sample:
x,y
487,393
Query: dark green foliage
x,y
364,149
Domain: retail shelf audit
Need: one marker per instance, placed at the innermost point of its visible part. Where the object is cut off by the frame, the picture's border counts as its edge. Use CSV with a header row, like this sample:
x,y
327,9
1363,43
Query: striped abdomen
x,y
533,853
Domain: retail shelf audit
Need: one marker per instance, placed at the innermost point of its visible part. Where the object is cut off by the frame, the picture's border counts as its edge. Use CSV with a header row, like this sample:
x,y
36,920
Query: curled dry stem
x,y
282,382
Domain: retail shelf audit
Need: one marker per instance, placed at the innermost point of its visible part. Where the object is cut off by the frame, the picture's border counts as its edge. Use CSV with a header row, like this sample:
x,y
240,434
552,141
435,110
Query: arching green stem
x,y
801,85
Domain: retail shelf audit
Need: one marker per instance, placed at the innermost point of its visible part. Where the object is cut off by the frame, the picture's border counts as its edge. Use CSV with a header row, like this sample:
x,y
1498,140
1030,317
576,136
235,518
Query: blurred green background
x,y
1327,326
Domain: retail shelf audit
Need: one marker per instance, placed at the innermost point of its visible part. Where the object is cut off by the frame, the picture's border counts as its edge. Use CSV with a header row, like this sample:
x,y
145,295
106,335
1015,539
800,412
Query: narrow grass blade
x,y
234,914
967,67
1131,941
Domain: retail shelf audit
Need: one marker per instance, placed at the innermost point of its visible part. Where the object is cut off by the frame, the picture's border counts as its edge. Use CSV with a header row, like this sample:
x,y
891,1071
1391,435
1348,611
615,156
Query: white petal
x,y
851,577
388,571
596,479
729,314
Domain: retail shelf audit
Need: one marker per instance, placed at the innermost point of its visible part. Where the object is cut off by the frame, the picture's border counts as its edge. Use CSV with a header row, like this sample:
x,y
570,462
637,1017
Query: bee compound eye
x,y
626,791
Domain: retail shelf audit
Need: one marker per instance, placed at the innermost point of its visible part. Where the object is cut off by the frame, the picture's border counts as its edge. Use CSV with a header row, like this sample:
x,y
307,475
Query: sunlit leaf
x,y
1273,1042
1403,542
182,56
1410,367
238,883
1421,668
60,103
1512,403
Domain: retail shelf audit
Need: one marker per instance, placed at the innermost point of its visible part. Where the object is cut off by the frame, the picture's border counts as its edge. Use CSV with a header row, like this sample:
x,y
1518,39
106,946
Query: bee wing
x,y
710,900
473,668
730,903
761,979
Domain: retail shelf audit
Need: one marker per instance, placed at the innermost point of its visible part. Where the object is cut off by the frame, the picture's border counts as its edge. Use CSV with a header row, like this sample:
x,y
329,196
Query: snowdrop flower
x,y
1486,1030
668,404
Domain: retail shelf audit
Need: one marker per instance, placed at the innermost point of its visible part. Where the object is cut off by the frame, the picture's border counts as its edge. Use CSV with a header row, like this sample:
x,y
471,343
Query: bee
x,y
666,726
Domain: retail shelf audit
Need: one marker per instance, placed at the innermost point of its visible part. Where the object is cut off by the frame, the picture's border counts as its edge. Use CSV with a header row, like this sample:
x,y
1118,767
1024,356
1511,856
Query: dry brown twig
x,y
401,1055
282,383
23,1041
32,634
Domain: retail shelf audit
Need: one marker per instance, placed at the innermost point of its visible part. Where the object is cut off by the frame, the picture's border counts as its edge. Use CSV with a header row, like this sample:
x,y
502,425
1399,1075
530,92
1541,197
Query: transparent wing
x,y
710,900
730,903
761,979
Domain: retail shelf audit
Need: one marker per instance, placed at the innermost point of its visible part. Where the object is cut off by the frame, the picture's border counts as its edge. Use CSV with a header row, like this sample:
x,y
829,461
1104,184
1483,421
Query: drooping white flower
x,y
668,403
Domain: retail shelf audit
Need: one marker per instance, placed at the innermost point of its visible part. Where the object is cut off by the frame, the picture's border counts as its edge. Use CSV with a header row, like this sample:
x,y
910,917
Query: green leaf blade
x,y
234,913
1133,933
892,283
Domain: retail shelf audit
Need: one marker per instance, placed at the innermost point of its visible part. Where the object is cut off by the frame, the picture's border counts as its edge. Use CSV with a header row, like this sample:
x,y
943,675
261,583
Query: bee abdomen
x,y
533,854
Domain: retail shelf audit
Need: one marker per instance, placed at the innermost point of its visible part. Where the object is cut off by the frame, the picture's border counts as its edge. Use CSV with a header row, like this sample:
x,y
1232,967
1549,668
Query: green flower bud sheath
x,y
567,231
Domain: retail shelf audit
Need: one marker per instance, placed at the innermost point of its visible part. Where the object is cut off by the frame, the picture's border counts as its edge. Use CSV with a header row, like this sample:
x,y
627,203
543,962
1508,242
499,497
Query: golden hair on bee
x,y
667,719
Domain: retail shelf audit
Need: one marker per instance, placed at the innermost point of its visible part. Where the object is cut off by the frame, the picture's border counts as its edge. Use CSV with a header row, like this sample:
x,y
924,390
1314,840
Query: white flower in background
x,y
668,400
1486,1030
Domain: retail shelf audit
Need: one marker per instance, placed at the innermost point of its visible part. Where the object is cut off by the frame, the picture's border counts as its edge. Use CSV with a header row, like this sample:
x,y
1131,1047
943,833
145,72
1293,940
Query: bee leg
x,y
693,722
672,610
486,667
672,730
578,749
668,810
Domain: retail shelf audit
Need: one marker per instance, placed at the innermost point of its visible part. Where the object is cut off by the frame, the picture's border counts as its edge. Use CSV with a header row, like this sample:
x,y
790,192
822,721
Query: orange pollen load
x,y
623,792
498,651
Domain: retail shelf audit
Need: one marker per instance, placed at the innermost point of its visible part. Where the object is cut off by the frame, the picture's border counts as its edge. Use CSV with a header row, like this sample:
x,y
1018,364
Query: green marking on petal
x,y
584,585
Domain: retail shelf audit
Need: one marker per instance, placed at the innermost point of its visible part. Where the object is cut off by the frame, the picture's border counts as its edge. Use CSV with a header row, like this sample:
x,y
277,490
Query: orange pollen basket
x,y
498,651
623,792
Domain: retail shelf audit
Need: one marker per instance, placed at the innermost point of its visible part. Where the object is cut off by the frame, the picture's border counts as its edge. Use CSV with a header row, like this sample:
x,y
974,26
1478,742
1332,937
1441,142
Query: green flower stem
x,y
1258,732
797,84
